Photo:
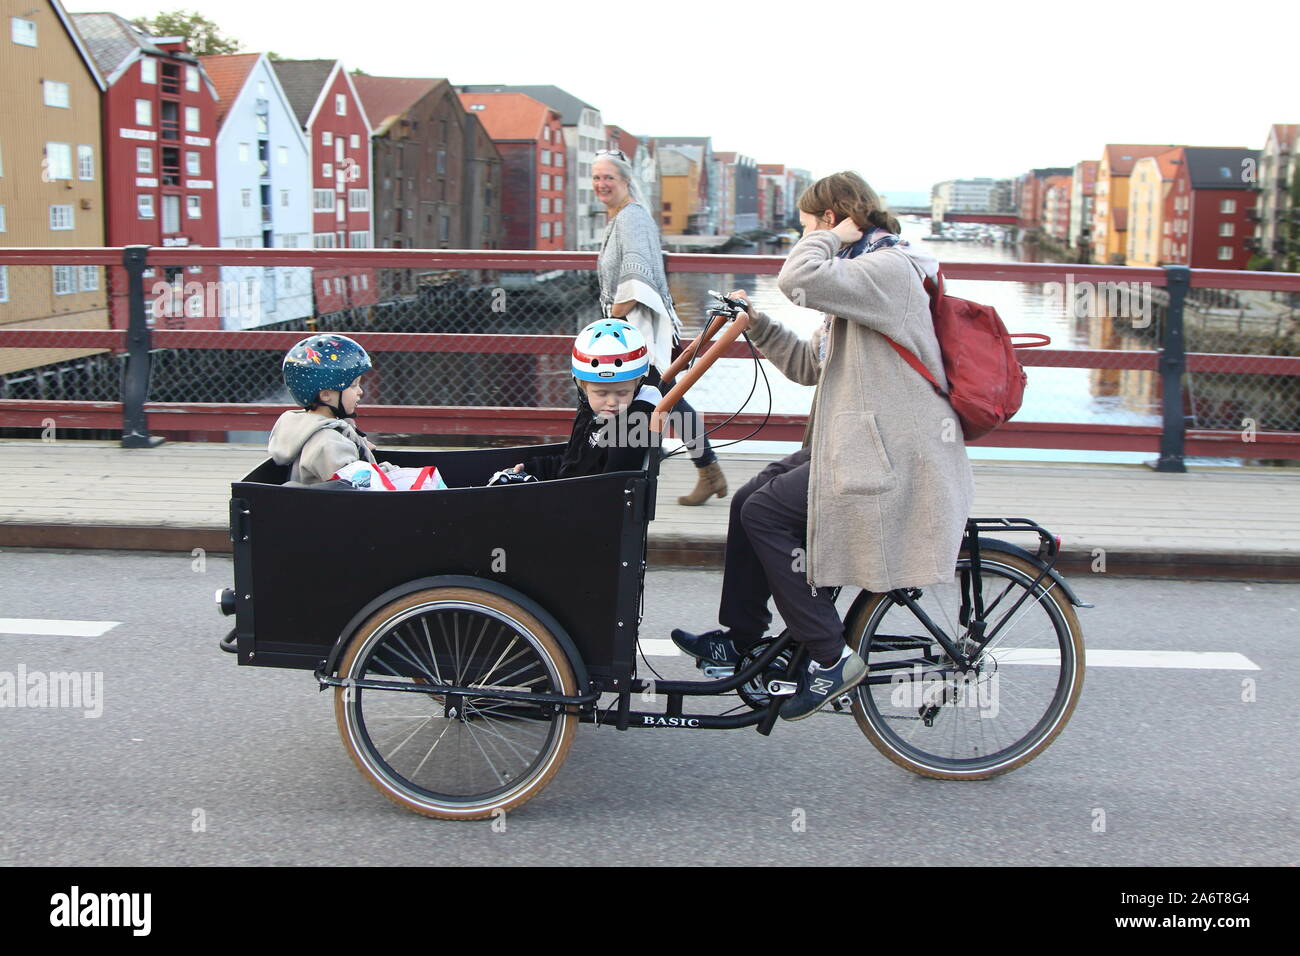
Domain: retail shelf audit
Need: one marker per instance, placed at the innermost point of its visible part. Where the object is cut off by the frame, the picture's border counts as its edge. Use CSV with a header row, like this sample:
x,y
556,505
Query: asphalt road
x,y
1176,765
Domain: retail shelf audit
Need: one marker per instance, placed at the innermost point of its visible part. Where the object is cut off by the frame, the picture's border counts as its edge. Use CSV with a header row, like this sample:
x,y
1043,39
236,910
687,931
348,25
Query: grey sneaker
x,y
818,686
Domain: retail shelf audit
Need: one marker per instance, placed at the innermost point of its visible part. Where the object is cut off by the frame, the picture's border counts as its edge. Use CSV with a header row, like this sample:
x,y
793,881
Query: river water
x,y
1052,394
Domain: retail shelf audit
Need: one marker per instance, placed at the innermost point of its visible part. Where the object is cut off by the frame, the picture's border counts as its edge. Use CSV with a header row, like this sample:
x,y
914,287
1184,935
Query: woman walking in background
x,y
634,287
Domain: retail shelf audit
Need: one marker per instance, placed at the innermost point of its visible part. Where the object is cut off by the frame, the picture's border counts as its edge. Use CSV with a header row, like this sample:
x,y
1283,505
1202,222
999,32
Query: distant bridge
x,y
993,218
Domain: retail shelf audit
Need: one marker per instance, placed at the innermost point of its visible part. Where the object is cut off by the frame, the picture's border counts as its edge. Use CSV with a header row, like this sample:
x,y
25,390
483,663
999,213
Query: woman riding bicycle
x,y
879,495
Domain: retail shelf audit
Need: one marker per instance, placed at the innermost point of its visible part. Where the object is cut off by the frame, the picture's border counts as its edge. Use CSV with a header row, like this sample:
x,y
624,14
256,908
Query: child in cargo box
x,y
323,373
611,430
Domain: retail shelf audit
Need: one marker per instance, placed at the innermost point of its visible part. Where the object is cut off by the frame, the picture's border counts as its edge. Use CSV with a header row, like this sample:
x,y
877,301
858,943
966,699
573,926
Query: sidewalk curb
x,y
683,552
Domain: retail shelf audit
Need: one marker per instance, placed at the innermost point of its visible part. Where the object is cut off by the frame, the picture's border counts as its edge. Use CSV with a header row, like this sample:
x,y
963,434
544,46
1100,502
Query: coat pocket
x,y
858,460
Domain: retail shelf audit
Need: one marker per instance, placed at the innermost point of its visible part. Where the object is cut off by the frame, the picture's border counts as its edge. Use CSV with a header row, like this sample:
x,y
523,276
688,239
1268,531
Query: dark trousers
x,y
766,558
685,421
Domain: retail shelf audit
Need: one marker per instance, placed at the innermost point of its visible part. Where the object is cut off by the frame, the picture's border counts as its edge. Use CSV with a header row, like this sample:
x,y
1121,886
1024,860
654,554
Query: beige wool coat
x,y
890,485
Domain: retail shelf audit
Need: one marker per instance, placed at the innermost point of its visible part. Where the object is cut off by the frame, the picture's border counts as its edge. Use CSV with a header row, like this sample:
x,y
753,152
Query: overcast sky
x,y
907,93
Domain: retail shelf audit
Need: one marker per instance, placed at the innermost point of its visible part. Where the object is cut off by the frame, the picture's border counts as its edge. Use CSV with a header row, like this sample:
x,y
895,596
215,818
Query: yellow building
x,y
679,176
1149,185
1110,212
51,177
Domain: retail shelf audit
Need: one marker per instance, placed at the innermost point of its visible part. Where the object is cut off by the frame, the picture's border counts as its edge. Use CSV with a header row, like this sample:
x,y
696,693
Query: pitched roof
x,y
1219,167
303,81
623,140
385,98
1285,133
507,116
79,42
228,73
725,157
112,40
674,162
566,104
1121,156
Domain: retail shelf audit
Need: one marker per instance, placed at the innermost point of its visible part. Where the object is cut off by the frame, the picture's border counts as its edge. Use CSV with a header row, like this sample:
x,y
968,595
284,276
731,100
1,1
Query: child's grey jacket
x,y
316,446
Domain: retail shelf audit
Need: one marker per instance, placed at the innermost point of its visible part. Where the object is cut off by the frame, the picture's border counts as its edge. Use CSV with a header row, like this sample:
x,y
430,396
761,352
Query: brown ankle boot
x,y
709,481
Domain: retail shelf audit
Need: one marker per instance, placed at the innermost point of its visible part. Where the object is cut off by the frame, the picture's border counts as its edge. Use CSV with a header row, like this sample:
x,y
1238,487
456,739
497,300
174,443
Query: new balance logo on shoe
x,y
821,685
718,650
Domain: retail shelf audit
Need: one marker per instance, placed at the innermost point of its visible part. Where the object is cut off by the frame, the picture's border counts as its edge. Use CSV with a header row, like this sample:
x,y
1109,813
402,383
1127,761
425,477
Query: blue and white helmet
x,y
610,350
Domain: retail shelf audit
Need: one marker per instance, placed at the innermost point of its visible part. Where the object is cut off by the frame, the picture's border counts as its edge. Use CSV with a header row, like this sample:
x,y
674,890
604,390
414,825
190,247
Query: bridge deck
x,y
1239,522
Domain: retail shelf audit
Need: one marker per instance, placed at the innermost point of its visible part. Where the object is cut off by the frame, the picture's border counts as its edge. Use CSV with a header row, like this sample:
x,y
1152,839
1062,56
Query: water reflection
x,y
1053,395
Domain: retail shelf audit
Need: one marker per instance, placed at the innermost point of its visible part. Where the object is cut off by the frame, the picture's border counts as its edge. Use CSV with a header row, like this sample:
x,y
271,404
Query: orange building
x,y
1110,203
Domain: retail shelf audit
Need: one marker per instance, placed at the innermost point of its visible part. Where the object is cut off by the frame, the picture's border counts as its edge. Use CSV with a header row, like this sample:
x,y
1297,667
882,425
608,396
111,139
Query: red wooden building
x,y
1208,205
160,171
529,136
325,101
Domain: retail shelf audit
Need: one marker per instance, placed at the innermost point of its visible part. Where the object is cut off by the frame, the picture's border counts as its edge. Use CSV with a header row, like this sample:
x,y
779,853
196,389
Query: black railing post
x,y
135,378
1173,365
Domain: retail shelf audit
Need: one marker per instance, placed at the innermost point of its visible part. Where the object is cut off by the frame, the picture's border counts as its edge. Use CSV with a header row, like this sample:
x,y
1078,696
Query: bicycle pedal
x,y
716,671
782,688
842,703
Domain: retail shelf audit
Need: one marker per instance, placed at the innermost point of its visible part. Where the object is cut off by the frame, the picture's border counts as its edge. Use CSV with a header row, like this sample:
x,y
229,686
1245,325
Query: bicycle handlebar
x,y
714,352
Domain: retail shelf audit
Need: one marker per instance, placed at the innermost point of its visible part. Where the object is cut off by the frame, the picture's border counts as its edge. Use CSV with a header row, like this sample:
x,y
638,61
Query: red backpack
x,y
986,382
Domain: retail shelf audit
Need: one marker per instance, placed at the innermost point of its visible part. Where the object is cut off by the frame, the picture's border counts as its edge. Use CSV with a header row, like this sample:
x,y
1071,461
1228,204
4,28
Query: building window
x,y
90,278
339,146
1227,206
246,198
282,155
56,94
192,79
2,218
358,200
340,104
58,161
243,152
23,31
1227,229
441,161
444,228
354,141
559,229
559,182
1225,252
171,214
86,162
326,138
143,112
327,170
668,207
193,207
61,218
4,283
546,157
544,205
322,200
546,180
668,220
323,240
148,70
65,280
284,197
359,240
559,204
144,206
546,230
192,119
192,167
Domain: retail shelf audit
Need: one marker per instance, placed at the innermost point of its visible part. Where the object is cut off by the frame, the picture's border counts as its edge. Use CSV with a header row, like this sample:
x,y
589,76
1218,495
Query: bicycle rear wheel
x,y
926,715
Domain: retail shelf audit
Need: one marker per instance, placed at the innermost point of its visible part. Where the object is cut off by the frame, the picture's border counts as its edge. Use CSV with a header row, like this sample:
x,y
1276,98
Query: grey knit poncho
x,y
631,268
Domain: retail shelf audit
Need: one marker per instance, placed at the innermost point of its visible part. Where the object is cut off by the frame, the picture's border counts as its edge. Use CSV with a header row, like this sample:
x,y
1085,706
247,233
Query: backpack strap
x,y
917,364
934,288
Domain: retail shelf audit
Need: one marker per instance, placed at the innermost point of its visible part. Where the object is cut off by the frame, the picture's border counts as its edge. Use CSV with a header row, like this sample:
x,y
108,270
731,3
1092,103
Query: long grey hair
x,y
625,173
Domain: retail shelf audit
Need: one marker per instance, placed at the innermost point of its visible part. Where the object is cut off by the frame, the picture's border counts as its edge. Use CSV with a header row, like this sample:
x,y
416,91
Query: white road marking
x,y
44,627
1093,657
660,647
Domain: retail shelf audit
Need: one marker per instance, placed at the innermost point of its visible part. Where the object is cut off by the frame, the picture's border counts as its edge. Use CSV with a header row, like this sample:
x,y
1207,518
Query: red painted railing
x,y
460,420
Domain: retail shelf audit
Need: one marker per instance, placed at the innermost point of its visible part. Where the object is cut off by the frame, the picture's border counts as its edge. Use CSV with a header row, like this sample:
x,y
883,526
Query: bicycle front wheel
x,y
466,757
931,717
